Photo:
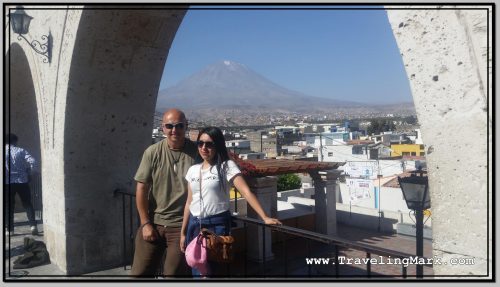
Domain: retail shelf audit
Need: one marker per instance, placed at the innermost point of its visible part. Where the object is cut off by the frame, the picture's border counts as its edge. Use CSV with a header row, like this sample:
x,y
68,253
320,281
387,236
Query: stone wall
x,y
445,55
95,104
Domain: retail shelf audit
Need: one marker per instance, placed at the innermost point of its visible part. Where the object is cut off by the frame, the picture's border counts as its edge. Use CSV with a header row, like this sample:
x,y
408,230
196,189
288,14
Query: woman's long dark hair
x,y
221,155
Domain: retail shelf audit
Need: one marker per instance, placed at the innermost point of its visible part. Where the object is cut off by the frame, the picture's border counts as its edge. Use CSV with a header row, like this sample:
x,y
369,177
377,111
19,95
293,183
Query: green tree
x,y
412,120
374,127
377,126
288,182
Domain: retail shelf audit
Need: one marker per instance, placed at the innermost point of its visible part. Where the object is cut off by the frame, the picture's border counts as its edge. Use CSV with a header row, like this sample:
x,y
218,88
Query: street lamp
x,y
416,193
20,22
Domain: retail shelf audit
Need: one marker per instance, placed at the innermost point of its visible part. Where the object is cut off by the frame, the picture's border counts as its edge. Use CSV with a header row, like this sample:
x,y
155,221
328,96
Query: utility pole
x,y
321,146
261,141
379,176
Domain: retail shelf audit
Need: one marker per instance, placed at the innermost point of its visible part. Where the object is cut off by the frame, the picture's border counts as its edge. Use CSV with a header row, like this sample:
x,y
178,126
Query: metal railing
x,y
284,235
128,235
35,185
333,241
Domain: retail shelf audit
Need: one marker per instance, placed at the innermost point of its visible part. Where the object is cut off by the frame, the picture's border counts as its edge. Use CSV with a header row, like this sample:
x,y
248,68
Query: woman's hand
x,y
181,242
272,221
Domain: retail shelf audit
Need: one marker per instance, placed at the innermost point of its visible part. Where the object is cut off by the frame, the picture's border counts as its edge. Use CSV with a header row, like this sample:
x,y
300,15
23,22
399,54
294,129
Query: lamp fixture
x,y
416,193
20,22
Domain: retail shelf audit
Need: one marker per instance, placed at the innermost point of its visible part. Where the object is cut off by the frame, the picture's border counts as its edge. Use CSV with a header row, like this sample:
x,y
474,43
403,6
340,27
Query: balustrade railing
x,y
328,246
35,184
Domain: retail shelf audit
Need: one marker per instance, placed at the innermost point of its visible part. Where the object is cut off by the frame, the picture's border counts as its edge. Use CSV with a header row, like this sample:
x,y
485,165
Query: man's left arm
x,y
33,164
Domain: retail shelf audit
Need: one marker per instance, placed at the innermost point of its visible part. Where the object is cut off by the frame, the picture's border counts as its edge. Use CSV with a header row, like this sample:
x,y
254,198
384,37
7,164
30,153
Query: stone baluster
x,y
325,189
265,189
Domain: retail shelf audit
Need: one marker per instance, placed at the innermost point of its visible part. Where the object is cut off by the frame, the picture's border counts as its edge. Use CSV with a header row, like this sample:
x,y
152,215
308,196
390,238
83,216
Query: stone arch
x,y
21,112
114,77
21,108
447,56
106,63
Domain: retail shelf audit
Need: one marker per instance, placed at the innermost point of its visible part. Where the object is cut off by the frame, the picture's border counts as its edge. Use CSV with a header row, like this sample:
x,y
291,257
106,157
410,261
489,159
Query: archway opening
x,y
21,119
245,69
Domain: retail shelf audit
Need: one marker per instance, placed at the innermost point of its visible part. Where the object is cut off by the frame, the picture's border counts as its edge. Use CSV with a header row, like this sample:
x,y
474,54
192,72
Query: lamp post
x,y
20,22
416,193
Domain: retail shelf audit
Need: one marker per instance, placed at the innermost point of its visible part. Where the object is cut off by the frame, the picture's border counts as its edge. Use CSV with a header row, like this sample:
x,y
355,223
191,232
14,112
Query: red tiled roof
x,y
267,167
394,183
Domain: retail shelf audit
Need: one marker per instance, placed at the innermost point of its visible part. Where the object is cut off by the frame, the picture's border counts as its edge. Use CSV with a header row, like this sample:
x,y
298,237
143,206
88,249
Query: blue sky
x,y
341,54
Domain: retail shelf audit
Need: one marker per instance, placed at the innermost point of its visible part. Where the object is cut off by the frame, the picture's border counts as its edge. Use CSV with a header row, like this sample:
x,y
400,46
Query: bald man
x,y
161,194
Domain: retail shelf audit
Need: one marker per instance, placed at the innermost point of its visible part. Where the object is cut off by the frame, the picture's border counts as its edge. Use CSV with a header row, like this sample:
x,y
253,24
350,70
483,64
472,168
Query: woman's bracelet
x,y
145,223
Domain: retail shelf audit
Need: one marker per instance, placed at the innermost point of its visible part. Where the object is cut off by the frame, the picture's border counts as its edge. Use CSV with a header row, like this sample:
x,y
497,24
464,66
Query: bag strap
x,y
207,231
201,198
204,230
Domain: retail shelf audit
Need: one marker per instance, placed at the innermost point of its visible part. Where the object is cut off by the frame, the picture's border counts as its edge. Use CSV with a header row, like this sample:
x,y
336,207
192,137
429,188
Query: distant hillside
x,y
228,84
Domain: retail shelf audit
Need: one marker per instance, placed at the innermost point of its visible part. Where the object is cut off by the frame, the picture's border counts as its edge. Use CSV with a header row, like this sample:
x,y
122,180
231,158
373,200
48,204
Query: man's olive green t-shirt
x,y
168,189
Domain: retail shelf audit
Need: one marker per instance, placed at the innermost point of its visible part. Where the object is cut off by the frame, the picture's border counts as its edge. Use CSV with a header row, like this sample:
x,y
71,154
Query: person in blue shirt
x,y
19,164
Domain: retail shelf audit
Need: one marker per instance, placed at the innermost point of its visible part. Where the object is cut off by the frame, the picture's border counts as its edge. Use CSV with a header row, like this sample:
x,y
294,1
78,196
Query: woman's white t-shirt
x,y
214,200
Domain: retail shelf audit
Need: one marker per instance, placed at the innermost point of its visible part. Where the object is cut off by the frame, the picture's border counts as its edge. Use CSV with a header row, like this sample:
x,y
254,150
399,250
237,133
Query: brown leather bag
x,y
219,247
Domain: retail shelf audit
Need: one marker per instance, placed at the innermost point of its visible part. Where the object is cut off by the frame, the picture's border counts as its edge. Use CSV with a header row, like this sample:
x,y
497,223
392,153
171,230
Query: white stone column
x,y
265,189
447,58
325,189
94,120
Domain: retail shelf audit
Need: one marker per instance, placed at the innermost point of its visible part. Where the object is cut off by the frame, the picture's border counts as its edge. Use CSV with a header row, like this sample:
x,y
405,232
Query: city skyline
x,y
347,53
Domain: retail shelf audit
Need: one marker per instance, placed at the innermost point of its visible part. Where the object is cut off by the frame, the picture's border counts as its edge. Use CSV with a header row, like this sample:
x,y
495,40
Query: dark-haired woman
x,y
217,172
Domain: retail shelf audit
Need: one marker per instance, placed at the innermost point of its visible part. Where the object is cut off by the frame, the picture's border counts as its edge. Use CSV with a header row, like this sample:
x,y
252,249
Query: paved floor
x,y
400,243
389,241
290,259
47,271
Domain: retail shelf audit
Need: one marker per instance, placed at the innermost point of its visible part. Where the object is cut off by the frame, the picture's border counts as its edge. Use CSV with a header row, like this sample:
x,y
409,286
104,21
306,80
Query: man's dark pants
x,y
148,255
23,190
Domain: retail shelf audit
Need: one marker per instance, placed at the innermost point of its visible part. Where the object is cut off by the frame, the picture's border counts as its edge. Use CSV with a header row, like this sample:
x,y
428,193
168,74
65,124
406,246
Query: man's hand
x,y
149,233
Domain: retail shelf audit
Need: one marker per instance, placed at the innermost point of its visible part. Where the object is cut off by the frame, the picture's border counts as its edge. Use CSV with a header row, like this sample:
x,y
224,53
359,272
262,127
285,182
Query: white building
x,y
318,128
253,155
283,130
327,139
292,149
358,165
416,139
238,144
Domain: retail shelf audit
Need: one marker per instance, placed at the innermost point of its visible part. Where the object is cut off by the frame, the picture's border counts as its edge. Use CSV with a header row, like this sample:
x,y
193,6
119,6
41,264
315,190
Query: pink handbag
x,y
196,254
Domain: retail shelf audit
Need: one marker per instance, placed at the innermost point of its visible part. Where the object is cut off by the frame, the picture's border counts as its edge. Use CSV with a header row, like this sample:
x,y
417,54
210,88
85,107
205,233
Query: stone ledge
x,y
410,230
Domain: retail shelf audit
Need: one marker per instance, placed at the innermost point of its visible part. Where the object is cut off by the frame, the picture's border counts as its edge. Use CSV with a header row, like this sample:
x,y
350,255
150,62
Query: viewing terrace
x,y
310,244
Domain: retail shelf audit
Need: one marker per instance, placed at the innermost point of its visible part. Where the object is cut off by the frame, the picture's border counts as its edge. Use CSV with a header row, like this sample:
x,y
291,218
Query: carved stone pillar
x,y
325,189
258,239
